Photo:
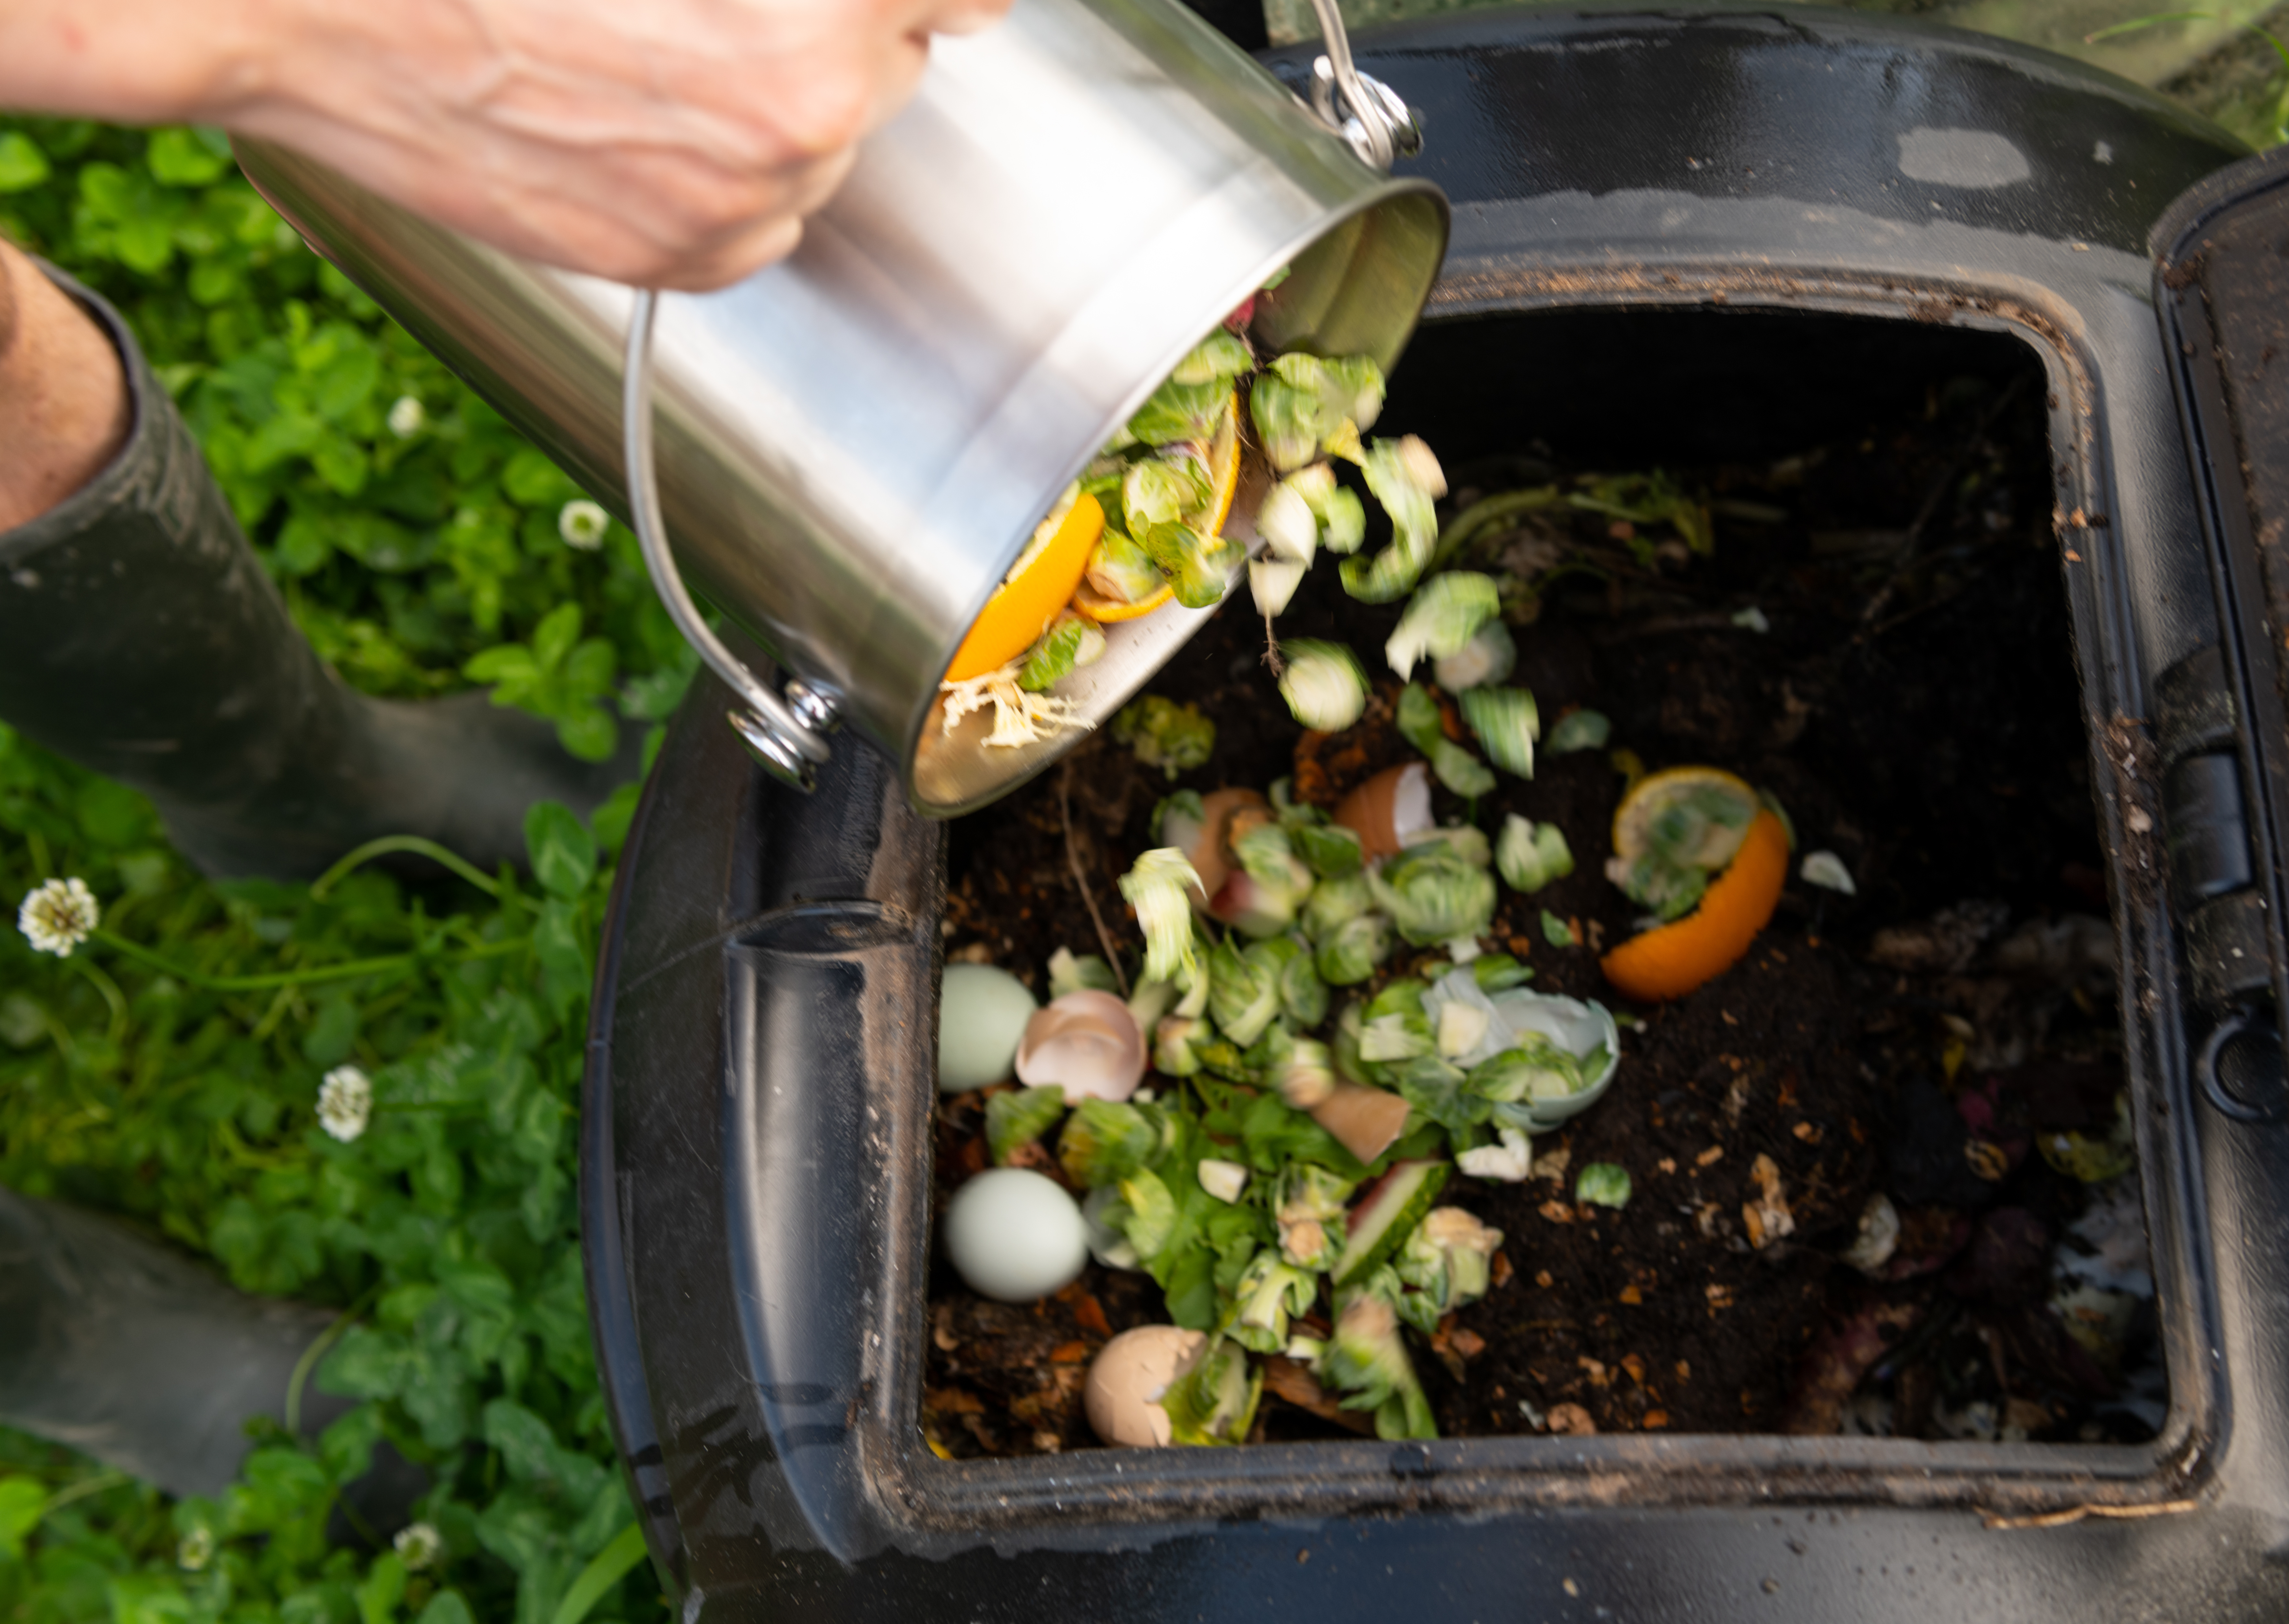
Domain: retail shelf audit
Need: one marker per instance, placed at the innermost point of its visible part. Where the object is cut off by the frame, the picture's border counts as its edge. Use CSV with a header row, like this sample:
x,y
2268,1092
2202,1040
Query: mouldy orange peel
x,y
1670,960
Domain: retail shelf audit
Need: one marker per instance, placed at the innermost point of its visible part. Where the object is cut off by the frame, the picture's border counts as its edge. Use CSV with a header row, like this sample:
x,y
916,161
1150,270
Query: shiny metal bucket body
x,y
854,444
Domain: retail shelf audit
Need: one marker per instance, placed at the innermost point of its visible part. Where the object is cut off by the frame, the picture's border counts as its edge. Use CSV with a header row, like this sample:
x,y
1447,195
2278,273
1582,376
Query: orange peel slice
x,y
1021,606
1106,611
1672,960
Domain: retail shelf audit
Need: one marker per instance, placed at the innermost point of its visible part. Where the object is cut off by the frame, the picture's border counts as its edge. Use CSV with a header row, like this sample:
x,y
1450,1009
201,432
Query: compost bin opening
x,y
1879,639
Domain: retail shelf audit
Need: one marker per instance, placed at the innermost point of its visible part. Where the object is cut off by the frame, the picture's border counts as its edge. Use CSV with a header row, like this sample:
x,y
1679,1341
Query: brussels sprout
x,y
1272,581
1507,1161
1436,1087
1406,479
1348,954
1671,892
1826,869
1536,1070
1160,490
1354,385
1199,567
1151,1221
1343,520
1498,972
1323,685
1173,737
1432,893
1290,421
1418,719
1069,644
1306,1076
1273,1045
1177,816
1243,993
1331,852
1603,1183
1222,357
1177,1044
1448,1260
1179,411
1082,973
1465,840
1461,771
1367,1360
1441,619
1301,403
1506,723
1530,855
1020,1116
1303,991
1389,1039
1272,1290
1289,528
1578,730
1215,1401
1489,657
1308,1191
1105,1142
1119,568
1336,903
1160,888
1421,724
1262,898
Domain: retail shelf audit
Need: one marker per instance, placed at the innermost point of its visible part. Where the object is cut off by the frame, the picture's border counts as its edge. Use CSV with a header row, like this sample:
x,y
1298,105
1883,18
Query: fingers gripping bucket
x,y
853,445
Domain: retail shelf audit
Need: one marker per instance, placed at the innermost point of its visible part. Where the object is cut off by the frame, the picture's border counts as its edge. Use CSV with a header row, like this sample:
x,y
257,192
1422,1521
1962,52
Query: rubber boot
x,y
126,1350
140,637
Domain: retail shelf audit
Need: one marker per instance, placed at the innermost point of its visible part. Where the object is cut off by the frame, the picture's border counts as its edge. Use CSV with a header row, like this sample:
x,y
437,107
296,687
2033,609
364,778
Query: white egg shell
x,y
1015,1235
982,1013
1126,1379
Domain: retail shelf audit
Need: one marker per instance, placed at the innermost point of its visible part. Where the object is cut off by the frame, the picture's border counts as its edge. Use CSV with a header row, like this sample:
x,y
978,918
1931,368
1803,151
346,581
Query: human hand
x,y
666,143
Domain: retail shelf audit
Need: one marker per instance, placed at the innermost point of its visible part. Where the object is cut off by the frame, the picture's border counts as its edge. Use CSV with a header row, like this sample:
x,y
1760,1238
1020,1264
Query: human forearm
x,y
676,143
64,410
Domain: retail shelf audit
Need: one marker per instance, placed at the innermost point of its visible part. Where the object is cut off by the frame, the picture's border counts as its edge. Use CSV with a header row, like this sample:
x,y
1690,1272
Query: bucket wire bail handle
x,y
1366,112
785,731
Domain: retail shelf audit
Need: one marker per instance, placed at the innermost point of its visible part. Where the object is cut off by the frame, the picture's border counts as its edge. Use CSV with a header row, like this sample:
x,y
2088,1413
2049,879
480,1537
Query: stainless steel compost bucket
x,y
854,444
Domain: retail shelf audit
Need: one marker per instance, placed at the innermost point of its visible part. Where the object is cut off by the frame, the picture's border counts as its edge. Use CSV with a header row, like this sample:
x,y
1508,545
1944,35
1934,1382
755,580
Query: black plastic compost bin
x,y
1793,189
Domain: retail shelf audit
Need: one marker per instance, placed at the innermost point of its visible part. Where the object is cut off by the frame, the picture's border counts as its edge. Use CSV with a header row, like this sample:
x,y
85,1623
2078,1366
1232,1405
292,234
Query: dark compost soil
x,y
1914,706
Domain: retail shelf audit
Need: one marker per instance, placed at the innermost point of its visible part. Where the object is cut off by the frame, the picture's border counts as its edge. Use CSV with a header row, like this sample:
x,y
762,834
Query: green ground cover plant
x,y
171,1069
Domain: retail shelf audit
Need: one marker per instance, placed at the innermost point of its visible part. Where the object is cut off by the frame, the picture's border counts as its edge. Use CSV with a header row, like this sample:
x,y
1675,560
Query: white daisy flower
x,y
407,418
58,916
345,1102
582,525
195,1550
418,1546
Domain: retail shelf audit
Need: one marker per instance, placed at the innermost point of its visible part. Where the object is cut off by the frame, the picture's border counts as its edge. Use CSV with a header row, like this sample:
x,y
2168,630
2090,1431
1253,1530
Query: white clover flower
x,y
582,525
407,418
58,916
344,1102
418,1546
195,1550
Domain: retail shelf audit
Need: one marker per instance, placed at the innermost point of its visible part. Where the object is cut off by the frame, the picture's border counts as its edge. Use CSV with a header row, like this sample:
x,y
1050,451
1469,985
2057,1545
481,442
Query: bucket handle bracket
x,y
784,730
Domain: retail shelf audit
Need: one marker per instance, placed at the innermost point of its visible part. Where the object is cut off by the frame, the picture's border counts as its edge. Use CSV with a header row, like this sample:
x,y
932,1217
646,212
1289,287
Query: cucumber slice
x,y
1388,1215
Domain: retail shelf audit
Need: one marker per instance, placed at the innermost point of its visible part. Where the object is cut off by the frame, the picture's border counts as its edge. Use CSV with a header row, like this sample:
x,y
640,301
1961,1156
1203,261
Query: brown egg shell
x,y
1086,1043
1389,810
1126,1379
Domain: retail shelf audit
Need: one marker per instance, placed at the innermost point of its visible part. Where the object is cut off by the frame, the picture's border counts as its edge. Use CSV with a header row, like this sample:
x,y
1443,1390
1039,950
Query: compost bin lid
x,y
2221,292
